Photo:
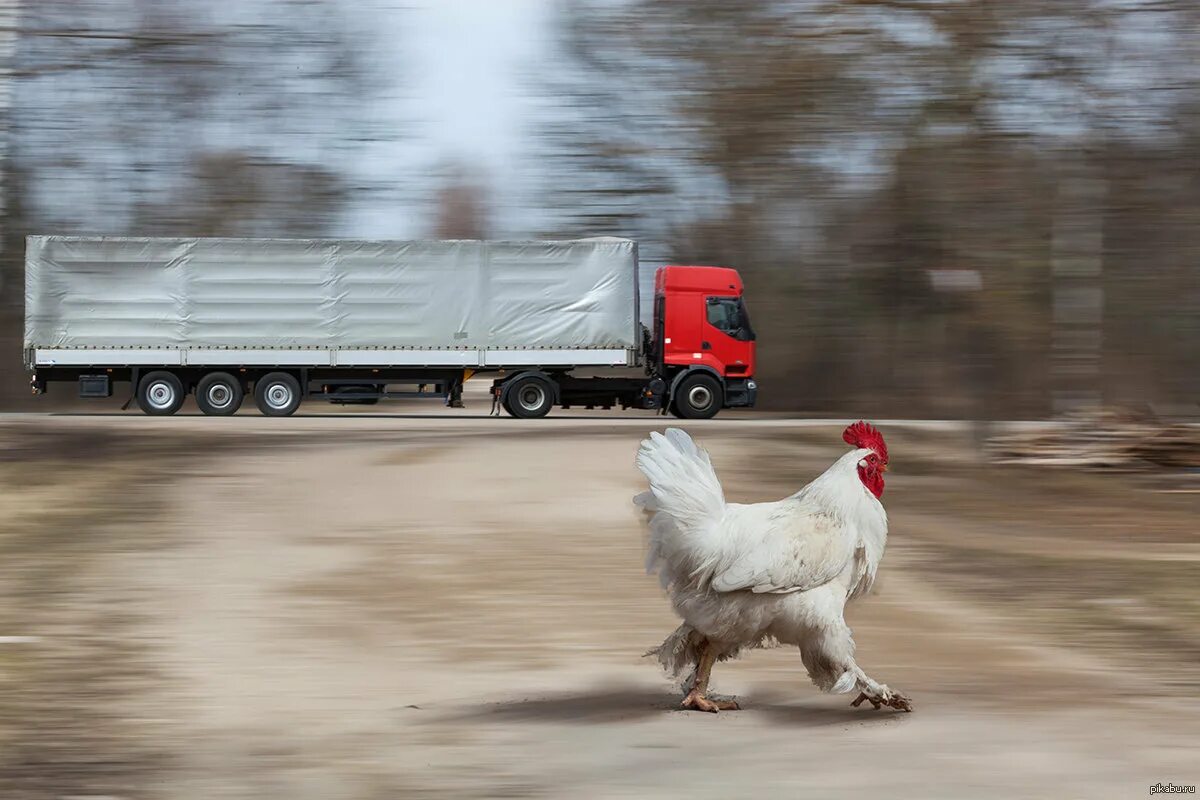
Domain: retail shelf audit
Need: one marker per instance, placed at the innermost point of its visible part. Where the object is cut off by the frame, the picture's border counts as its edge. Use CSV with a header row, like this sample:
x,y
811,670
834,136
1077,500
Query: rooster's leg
x,y
828,654
697,698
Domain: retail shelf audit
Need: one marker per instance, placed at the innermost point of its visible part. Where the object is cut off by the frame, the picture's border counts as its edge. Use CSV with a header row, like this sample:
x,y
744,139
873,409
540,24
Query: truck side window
x,y
728,315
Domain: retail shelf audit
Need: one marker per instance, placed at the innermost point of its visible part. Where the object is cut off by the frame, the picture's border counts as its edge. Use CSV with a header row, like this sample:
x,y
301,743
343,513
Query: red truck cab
x,y
704,343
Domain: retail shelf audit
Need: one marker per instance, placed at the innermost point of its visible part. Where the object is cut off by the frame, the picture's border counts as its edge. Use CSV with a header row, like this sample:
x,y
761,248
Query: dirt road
x,y
398,607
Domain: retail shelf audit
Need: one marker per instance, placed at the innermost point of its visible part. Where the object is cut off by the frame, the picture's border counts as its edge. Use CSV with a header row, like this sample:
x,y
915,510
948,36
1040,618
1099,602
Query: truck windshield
x,y
728,315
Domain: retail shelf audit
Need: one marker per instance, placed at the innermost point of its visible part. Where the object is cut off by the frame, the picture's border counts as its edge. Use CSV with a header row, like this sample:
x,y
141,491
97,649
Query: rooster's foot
x,y
884,697
698,702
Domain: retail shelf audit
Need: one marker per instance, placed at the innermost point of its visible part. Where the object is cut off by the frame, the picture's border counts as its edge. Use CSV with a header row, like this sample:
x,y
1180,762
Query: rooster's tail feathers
x,y
685,503
682,481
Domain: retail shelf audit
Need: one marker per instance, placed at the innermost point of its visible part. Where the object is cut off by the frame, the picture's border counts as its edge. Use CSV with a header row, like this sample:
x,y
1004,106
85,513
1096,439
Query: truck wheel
x,y
699,396
219,394
529,397
160,393
277,394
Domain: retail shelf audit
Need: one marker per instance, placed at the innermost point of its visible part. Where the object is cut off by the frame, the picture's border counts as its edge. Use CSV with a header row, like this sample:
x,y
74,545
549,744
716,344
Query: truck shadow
x,y
352,416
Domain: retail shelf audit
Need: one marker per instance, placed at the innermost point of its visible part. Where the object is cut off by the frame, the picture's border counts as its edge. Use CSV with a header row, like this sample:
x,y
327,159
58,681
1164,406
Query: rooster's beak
x,y
883,467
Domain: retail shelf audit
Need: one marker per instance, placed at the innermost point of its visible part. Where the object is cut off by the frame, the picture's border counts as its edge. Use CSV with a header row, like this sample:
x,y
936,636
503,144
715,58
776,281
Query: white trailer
x,y
343,320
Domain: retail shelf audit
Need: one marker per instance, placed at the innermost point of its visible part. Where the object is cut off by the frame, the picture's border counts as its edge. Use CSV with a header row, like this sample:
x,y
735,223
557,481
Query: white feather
x,y
747,575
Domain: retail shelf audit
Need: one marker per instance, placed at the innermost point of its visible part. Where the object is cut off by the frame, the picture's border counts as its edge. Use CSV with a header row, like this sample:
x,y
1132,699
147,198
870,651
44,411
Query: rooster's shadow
x,y
607,704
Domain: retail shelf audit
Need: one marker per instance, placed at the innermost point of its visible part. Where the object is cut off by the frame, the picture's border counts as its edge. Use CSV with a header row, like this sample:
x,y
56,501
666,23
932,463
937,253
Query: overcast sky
x,y
465,74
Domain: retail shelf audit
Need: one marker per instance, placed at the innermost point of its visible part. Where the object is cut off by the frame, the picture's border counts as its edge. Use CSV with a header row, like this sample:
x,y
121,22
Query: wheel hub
x,y
279,396
219,395
160,394
700,397
532,397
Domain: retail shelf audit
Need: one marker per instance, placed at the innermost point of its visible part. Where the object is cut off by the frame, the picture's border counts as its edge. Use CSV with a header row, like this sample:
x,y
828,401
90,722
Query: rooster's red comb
x,y
863,434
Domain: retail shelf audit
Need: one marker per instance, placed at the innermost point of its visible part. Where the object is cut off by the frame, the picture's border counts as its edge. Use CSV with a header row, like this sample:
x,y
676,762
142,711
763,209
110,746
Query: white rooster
x,y
743,576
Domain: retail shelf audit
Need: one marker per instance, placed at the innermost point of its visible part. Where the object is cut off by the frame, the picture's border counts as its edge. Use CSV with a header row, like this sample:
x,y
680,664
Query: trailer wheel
x,y
219,394
698,396
529,397
160,393
277,394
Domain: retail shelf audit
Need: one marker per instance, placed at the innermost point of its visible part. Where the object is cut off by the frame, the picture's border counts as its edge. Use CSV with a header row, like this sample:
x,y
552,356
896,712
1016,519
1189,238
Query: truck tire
x,y
160,393
698,396
277,394
529,397
219,394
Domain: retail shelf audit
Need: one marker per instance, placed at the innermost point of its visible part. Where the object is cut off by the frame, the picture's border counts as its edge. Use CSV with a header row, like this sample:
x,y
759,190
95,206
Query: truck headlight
x,y
751,385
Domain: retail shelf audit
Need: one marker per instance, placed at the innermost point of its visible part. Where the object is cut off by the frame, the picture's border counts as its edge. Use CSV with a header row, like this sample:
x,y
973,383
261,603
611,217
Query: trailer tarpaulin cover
x,y
279,293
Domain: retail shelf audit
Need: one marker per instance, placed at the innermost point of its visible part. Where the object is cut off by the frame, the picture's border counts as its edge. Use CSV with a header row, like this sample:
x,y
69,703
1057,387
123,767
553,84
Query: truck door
x,y
728,335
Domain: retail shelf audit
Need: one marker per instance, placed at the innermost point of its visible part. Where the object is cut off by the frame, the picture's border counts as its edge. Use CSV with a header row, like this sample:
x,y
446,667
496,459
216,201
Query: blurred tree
x,y
171,117
235,194
837,152
703,128
122,104
460,205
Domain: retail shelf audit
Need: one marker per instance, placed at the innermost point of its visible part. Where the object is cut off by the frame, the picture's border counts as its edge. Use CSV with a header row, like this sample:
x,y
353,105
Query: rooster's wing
x,y
787,546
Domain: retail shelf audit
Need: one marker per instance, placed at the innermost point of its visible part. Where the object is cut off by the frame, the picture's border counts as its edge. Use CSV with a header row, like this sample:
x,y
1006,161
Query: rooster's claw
x,y
890,699
698,702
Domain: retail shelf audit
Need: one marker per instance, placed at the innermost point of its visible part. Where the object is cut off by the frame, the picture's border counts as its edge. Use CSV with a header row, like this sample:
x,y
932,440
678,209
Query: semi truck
x,y
283,321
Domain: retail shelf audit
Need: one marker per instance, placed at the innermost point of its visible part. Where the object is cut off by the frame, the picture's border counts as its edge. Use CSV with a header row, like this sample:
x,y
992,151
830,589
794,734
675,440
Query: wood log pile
x,y
1103,439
